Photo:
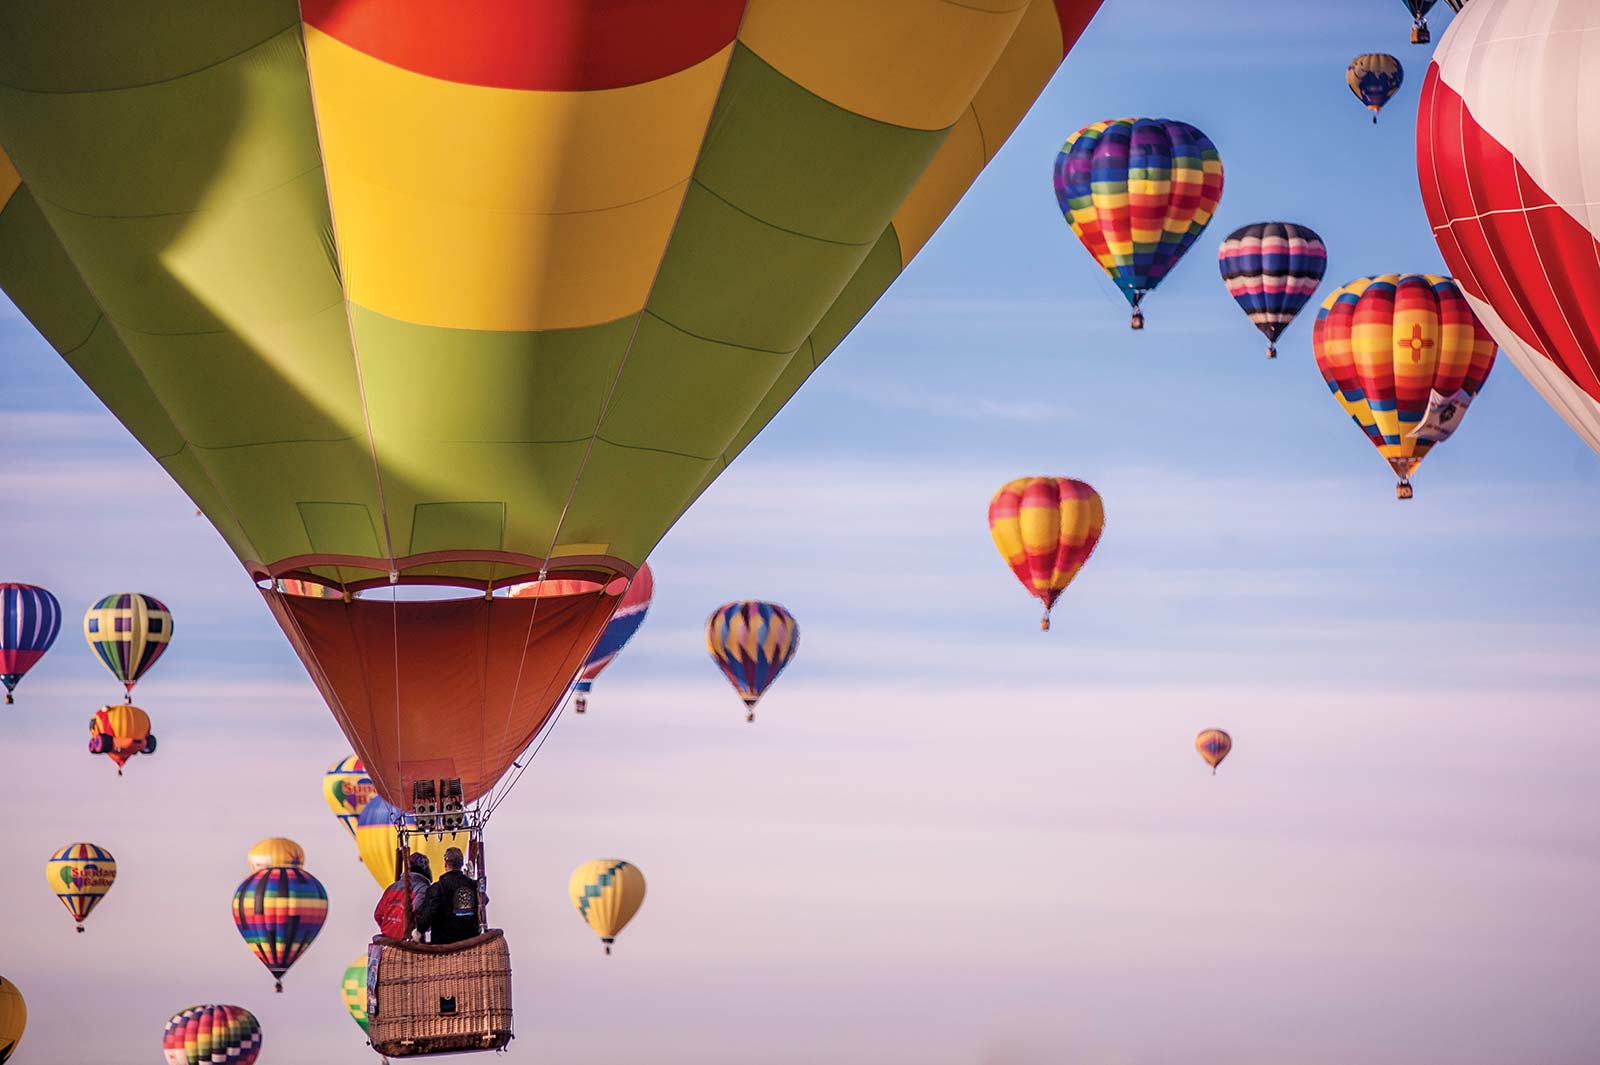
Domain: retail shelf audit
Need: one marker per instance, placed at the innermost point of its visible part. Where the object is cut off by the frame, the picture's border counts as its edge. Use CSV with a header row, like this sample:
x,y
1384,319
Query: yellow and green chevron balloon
x,y
354,989
607,893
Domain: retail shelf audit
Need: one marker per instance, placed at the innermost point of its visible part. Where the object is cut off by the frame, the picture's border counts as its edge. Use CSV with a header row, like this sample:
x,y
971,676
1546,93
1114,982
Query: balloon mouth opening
x,y
421,589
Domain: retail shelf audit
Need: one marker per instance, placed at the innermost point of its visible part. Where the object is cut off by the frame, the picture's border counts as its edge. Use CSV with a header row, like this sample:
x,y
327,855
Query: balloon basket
x,y
445,999
1420,34
1136,320
749,716
1402,490
9,700
1272,351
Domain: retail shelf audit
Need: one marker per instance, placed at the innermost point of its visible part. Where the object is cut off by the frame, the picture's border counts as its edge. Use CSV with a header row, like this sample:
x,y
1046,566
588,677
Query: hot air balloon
x,y
1138,192
1374,78
751,642
377,839
203,1035
119,732
1404,357
279,911
579,262
607,893
13,1019
1213,745
129,632
30,617
80,874
1419,19
348,789
354,990
1046,528
1508,155
618,631
276,851
1272,269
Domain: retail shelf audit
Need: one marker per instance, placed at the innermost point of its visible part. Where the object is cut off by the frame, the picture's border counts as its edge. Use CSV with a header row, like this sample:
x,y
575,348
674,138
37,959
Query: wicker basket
x,y
426,999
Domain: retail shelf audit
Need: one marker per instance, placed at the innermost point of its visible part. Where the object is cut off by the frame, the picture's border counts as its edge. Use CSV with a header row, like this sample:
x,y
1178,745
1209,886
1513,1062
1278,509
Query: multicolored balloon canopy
x,y
347,789
353,989
1272,269
128,632
615,636
212,1035
752,642
279,912
13,1019
80,874
607,892
377,839
583,260
30,617
1508,157
275,851
1405,357
1138,192
1374,78
1213,745
1045,529
119,732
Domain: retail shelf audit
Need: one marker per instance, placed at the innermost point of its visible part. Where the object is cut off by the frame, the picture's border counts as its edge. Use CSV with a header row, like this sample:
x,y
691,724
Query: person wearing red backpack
x,y
391,911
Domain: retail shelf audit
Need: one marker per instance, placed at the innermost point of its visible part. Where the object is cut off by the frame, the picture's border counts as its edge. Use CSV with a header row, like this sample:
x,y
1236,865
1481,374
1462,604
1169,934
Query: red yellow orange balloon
x,y
1046,528
1404,356
119,732
1213,745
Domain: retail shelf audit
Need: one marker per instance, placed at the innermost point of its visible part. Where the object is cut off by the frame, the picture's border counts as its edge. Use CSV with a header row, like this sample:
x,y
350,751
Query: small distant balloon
x,y
80,874
752,642
607,893
210,1035
1419,21
119,732
1374,78
30,618
276,851
1045,529
128,632
1213,745
1272,269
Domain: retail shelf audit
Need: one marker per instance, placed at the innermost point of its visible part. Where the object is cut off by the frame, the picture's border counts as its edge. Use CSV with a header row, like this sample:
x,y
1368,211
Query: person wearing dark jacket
x,y
450,909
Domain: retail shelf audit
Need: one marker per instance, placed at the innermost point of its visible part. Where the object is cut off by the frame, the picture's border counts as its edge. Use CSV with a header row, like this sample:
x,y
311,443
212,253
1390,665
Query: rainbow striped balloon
x,y
128,632
80,874
1138,192
212,1035
279,912
1046,528
751,642
1271,270
1405,357
1213,745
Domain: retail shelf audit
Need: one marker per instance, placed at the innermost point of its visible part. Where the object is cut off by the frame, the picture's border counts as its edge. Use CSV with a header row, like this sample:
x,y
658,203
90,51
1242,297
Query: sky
x,y
948,839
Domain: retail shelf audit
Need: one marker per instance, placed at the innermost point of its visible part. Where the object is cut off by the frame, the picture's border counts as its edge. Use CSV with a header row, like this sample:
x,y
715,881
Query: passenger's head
x,y
419,864
453,858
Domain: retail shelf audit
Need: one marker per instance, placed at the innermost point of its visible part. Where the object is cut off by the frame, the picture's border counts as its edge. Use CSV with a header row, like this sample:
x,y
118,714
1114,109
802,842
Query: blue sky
x,y
948,839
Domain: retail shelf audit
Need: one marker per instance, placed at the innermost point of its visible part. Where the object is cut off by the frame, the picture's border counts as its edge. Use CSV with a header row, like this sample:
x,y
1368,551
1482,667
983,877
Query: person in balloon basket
x,y
450,910
391,911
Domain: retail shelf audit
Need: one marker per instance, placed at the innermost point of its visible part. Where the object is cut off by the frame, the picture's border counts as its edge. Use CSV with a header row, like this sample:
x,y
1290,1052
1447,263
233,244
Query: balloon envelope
x,y
80,874
347,789
1374,78
13,1019
119,732
1138,192
752,642
128,632
584,253
203,1035
1045,529
1271,270
275,851
1508,156
1404,357
1213,745
30,617
279,912
607,892
353,988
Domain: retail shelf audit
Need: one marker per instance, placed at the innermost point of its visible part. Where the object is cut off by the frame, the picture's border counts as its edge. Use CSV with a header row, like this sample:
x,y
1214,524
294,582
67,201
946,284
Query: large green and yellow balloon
x,y
353,989
403,292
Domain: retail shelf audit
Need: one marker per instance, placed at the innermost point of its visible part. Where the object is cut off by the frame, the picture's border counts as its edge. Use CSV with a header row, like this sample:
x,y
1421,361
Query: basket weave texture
x,y
426,999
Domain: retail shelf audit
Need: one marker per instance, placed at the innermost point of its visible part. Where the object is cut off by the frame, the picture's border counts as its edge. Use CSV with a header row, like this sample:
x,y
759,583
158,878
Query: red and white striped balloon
x,y
1508,155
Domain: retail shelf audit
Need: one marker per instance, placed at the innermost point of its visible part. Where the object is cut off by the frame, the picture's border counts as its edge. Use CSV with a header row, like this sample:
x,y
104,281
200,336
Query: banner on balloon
x,y
1443,415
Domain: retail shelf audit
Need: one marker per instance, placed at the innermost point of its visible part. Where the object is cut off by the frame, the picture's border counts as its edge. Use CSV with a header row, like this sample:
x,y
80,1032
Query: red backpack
x,y
391,911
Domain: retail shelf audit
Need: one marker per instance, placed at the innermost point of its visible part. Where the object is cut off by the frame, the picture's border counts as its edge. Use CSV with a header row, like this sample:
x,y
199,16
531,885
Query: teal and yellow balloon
x,y
1374,78
607,892
128,632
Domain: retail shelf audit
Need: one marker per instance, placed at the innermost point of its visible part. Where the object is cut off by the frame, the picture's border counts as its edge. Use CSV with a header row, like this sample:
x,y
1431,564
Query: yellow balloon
x,y
348,789
607,893
80,874
276,851
376,839
13,1018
